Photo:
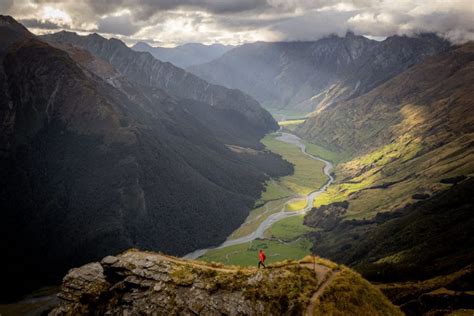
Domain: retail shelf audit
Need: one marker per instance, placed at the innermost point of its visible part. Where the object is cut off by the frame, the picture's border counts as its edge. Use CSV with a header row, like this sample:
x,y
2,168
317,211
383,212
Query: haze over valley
x,y
150,151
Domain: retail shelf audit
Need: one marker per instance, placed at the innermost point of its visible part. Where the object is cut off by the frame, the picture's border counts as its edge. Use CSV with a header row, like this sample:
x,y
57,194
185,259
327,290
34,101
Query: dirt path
x,y
329,277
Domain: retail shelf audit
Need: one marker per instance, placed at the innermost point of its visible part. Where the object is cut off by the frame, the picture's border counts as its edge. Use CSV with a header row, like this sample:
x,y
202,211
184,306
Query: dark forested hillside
x,y
93,163
144,69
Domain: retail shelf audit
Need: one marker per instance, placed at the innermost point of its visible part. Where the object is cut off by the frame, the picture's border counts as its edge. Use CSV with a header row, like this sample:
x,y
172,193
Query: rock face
x,y
184,55
143,283
93,163
309,76
143,68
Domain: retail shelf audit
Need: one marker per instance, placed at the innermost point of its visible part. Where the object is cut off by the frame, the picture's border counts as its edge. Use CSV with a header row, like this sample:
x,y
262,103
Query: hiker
x,y
262,257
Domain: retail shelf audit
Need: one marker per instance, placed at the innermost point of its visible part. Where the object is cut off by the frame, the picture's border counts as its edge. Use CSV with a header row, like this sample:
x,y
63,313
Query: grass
x,y
326,154
290,125
289,229
282,115
350,294
403,168
256,217
297,205
247,254
402,291
273,191
308,175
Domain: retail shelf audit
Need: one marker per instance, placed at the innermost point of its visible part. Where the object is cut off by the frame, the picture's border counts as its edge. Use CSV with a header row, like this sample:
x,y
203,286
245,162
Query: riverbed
x,y
275,217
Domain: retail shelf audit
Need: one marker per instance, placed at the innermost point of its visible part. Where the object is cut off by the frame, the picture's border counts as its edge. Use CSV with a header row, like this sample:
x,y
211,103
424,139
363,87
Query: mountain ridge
x,y
108,164
185,55
146,70
139,282
302,77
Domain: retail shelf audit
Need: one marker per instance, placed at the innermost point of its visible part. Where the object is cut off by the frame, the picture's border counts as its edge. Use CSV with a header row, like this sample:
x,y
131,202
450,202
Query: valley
x,y
277,224
147,175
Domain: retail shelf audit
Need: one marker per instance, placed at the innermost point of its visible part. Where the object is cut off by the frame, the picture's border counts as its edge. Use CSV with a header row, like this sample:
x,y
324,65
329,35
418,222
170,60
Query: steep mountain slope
x,y
146,70
93,163
404,136
184,55
303,77
380,63
286,74
422,241
411,139
142,282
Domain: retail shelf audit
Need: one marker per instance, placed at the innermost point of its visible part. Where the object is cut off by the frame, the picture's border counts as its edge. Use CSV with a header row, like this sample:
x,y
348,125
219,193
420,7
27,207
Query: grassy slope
x,y
403,137
387,178
332,156
349,294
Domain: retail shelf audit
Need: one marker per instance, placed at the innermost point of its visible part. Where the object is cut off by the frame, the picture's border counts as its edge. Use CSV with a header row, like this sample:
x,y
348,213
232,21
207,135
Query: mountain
x,y
420,249
93,162
400,208
142,282
146,70
184,55
300,77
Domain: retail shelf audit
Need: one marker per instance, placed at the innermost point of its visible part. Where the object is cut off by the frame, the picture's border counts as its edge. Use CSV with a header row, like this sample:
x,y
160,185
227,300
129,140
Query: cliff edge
x,y
137,282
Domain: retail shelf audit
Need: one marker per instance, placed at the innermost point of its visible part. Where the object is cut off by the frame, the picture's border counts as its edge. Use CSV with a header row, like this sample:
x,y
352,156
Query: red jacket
x,y
262,256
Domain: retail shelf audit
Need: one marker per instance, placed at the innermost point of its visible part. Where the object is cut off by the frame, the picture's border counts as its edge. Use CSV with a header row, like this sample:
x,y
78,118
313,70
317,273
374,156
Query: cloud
x,y
5,5
119,24
237,21
40,24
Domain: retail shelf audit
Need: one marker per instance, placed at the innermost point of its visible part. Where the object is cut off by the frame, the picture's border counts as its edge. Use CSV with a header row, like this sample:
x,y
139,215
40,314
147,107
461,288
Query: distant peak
x,y
350,34
142,44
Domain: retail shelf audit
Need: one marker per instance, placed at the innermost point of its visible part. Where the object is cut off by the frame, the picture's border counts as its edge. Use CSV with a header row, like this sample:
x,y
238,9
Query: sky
x,y
233,22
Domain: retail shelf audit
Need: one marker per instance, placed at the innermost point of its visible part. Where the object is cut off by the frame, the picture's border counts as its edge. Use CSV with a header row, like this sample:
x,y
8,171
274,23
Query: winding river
x,y
272,219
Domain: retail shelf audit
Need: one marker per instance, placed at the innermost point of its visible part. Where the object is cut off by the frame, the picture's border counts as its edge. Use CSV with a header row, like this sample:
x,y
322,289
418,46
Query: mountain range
x,y
98,157
105,148
186,55
400,208
301,77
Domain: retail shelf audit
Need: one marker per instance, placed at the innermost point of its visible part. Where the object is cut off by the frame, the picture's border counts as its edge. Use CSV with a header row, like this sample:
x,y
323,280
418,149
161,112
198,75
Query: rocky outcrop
x,y
145,283
149,283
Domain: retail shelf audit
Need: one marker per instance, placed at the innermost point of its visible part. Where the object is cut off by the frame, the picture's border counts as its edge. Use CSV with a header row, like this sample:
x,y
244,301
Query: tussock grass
x,y
350,294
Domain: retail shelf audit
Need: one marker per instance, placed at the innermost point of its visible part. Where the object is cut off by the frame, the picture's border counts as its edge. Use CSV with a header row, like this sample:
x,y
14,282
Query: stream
x,y
272,219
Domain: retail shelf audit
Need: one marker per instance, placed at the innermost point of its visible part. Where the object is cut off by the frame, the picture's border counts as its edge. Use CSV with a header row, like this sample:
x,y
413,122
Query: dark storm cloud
x,y
121,24
147,8
237,21
41,24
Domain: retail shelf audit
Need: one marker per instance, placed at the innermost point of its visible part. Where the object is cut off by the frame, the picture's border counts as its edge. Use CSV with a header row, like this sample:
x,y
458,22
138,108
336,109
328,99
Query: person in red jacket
x,y
262,257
